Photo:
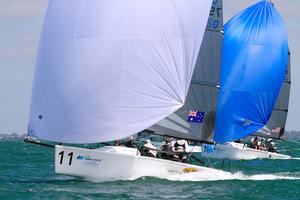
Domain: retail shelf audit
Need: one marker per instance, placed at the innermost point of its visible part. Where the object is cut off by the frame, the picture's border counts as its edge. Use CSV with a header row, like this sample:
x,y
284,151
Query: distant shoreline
x,y
11,137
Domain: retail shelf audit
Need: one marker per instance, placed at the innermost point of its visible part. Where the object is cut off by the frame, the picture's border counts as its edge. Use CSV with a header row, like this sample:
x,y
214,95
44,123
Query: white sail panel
x,y
107,69
203,92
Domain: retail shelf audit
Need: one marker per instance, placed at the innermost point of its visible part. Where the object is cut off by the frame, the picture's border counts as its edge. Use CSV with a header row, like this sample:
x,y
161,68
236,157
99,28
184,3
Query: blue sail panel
x,y
254,60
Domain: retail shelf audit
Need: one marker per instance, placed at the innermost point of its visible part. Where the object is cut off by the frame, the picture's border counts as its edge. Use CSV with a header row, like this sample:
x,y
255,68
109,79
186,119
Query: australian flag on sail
x,y
196,116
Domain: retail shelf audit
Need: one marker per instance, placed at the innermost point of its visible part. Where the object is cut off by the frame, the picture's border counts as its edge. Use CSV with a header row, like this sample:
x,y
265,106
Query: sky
x,y
20,26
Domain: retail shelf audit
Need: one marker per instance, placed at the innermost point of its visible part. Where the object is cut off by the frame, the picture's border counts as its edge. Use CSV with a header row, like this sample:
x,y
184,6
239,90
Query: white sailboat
x,y
274,129
257,102
107,69
239,151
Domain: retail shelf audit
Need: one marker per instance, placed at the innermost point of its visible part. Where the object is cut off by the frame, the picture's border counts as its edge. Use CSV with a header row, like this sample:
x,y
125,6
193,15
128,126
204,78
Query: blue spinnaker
x,y
254,59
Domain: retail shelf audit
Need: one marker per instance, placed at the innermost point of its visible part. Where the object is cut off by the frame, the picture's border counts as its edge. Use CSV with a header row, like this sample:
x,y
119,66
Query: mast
x,y
203,91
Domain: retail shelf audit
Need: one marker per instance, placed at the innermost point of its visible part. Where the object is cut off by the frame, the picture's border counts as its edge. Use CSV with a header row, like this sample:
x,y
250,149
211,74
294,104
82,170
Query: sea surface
x,y
27,172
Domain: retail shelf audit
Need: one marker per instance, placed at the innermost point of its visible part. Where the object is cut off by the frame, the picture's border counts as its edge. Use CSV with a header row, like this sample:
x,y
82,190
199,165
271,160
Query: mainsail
x,y
254,61
203,92
107,69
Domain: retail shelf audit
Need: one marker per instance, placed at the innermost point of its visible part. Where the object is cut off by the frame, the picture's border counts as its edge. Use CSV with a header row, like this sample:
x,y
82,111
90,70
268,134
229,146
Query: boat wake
x,y
232,176
208,176
221,176
292,158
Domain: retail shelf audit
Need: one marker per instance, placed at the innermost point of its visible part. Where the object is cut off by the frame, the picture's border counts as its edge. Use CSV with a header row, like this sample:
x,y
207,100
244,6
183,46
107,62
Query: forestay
x,y
254,60
203,92
107,69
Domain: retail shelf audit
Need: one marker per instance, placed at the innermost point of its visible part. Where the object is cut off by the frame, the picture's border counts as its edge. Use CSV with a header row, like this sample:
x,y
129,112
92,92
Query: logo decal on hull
x,y
88,160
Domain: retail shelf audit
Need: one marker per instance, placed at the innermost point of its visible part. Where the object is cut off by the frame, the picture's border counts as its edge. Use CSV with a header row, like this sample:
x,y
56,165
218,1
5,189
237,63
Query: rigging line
x,y
214,30
288,82
208,161
281,110
38,143
198,160
203,83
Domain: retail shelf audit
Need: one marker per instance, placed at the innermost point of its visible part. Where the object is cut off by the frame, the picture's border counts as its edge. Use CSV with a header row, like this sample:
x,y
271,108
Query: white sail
x,y
203,91
107,69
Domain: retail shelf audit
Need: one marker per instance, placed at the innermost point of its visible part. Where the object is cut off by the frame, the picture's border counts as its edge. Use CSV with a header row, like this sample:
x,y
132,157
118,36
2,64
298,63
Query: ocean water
x,y
27,172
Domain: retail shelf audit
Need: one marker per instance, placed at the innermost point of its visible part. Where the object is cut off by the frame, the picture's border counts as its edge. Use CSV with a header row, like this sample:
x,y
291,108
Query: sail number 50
x,y
70,155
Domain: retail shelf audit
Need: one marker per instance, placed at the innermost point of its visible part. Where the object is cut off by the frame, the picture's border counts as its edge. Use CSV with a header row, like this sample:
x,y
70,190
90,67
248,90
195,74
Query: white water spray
x,y
220,176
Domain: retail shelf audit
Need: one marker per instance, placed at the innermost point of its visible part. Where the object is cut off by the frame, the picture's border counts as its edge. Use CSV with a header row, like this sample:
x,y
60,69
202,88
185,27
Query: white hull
x,y
236,151
117,163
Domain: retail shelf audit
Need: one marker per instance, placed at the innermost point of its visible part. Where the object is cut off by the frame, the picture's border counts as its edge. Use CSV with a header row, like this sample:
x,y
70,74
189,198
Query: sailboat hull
x,y
237,151
117,163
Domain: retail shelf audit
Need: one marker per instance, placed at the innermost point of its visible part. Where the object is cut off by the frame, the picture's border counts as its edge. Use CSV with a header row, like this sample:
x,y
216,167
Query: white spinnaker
x,y
203,91
107,69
